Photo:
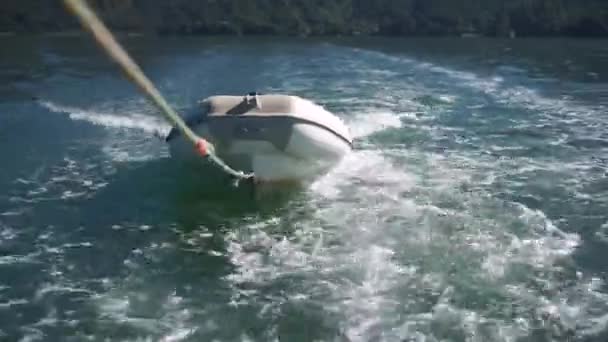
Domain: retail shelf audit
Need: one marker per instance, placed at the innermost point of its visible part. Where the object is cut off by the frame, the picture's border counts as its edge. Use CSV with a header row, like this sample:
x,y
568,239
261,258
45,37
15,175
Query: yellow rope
x,y
103,36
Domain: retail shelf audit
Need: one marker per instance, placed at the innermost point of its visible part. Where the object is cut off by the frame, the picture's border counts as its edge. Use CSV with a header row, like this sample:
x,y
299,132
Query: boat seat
x,y
220,105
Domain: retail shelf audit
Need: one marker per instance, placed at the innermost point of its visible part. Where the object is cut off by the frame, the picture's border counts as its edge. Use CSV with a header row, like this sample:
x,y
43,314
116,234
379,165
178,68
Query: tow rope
x,y
104,37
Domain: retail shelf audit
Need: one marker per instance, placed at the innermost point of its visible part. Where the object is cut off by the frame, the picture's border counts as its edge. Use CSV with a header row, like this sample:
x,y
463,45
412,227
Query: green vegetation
x,y
323,17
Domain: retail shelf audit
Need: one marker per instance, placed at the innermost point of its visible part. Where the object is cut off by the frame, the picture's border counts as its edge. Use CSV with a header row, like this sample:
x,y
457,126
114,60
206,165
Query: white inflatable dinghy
x,y
277,137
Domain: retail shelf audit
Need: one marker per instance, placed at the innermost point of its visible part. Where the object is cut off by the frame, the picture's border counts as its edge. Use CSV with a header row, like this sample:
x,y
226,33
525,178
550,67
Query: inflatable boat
x,y
277,137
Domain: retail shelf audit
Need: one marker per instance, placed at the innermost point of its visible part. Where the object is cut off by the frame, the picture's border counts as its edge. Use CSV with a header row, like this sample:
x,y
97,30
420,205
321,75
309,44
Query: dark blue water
x,y
474,207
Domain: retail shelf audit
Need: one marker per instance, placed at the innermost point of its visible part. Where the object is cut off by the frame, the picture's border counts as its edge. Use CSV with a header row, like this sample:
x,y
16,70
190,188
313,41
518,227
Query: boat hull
x,y
310,153
281,147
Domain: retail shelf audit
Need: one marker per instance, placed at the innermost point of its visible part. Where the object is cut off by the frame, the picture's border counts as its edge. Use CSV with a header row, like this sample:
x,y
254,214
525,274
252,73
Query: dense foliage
x,y
323,17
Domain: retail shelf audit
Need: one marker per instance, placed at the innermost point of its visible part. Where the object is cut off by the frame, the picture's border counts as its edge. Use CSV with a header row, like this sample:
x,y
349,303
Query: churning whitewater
x,y
459,216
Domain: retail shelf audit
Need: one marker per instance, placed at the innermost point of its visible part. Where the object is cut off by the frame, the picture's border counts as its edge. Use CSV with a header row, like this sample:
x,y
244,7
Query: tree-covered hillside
x,y
323,17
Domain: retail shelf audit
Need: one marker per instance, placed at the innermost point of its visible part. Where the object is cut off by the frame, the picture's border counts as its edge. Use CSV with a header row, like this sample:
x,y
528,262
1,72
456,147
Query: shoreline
x,y
138,34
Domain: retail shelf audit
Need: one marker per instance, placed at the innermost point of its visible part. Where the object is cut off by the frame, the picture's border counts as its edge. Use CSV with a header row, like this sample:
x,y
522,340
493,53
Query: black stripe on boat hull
x,y
174,132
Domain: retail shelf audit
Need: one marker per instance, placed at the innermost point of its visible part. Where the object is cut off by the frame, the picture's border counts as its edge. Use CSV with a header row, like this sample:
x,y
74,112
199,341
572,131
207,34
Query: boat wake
x,y
407,243
142,122
391,252
122,140
418,234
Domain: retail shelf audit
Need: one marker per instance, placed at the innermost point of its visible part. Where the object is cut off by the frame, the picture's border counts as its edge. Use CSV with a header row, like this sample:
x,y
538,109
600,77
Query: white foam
x,y
166,327
392,243
357,166
69,194
373,271
66,180
53,288
17,259
6,233
142,122
177,335
448,98
156,315
602,232
368,244
496,86
31,335
13,302
368,123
